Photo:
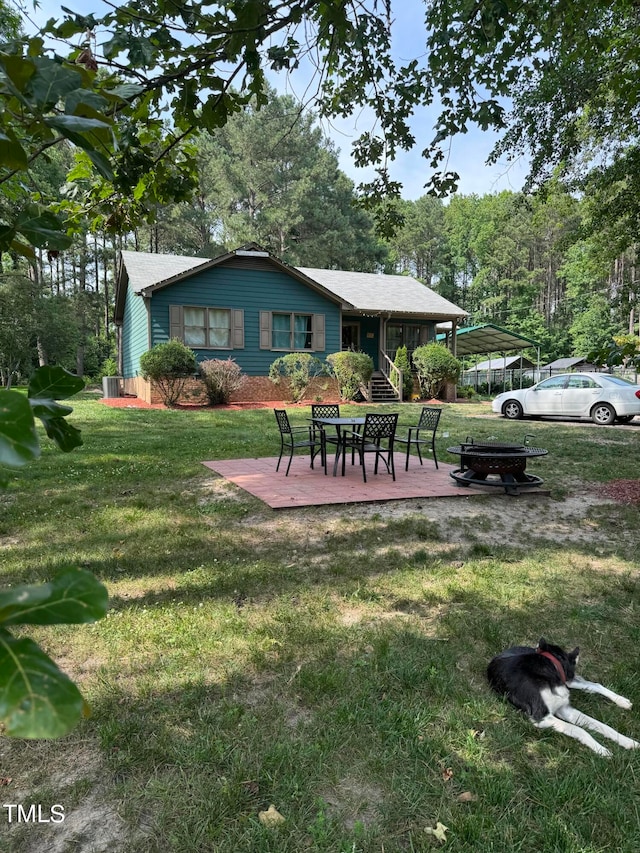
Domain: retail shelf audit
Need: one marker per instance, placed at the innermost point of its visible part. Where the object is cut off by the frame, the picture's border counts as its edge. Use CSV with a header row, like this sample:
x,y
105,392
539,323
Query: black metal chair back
x,y
325,410
283,421
429,418
295,437
377,436
428,423
377,427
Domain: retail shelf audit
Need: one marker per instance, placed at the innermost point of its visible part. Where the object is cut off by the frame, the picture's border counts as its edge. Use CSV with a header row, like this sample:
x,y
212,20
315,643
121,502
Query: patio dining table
x,y
343,425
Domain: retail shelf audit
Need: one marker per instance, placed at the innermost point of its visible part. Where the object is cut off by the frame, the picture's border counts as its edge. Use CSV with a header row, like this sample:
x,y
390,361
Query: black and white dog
x,y
537,681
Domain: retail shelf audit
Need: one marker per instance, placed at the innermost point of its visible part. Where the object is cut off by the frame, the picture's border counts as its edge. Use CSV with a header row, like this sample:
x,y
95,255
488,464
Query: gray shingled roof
x,y
146,269
366,292
400,294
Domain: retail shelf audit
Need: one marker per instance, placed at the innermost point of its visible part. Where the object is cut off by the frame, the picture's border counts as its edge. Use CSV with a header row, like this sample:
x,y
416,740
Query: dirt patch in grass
x,y
73,774
353,800
496,519
219,488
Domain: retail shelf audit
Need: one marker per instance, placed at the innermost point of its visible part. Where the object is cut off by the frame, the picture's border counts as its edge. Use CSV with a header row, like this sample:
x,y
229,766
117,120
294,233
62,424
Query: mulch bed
x,y
137,403
623,491
131,402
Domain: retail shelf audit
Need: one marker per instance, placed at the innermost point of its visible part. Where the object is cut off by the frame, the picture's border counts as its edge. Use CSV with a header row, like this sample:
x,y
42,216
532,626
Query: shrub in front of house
x,y
169,366
402,362
435,365
222,377
299,368
353,370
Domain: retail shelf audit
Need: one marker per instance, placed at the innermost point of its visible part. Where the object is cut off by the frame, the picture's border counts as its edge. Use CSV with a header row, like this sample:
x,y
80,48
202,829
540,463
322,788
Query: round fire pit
x,y
493,463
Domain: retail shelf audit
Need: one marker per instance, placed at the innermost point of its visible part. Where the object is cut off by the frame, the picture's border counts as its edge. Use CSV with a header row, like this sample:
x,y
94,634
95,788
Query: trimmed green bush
x,y
169,365
435,365
402,362
353,370
299,368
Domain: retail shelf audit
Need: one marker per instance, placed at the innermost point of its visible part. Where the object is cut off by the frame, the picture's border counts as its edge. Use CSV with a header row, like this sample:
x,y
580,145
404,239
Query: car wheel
x,y
512,410
625,419
603,414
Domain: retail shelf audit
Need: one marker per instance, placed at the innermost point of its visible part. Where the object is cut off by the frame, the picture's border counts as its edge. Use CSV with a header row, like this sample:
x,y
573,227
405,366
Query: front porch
x,y
380,337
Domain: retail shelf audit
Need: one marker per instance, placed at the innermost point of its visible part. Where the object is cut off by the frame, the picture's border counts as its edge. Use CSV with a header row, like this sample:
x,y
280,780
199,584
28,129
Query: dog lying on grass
x,y
537,681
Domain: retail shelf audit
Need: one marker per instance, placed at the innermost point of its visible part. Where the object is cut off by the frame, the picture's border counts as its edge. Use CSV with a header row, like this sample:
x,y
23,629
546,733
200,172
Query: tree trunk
x,y
42,355
80,359
105,285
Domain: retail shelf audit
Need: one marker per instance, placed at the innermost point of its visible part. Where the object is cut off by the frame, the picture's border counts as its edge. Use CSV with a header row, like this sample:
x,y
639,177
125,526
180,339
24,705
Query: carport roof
x,y
471,340
509,362
566,363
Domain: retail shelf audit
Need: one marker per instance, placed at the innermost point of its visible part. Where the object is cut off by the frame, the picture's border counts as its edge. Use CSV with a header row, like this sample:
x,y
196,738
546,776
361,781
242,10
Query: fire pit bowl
x,y
493,463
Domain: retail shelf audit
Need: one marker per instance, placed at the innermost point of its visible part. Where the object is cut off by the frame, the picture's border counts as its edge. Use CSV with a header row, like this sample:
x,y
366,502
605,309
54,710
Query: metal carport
x,y
486,338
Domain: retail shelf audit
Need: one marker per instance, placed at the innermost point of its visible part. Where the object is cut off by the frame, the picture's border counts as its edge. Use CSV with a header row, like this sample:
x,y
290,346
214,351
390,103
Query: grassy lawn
x,y
328,661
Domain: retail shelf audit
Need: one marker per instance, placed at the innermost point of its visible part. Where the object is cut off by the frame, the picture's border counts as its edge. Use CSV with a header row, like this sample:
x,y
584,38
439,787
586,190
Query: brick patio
x,y
307,487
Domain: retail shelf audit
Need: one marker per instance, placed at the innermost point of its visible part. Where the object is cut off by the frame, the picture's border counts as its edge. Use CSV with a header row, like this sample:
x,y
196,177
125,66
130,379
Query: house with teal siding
x,y
252,307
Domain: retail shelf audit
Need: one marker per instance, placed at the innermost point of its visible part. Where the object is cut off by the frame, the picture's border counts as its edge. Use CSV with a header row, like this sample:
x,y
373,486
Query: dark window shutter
x,y
317,328
176,325
237,328
265,330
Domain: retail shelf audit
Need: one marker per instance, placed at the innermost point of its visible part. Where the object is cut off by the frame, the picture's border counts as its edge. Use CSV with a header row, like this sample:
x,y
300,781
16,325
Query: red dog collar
x,y
555,662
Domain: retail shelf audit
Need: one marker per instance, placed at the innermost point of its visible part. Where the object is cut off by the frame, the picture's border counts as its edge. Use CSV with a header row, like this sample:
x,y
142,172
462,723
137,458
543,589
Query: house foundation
x,y
256,389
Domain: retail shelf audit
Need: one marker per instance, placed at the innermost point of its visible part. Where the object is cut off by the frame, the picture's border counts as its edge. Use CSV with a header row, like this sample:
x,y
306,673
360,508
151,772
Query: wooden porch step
x,y
381,389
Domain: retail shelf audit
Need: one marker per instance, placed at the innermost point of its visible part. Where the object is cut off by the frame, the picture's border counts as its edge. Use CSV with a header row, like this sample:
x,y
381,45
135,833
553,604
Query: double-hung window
x,y
200,327
288,331
291,331
207,327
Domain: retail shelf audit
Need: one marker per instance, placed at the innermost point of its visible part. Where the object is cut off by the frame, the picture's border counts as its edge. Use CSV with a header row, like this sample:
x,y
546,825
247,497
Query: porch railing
x,y
392,373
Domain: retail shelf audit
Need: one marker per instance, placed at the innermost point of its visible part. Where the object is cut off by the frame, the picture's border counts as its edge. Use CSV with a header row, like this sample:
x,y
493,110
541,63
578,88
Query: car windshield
x,y
616,380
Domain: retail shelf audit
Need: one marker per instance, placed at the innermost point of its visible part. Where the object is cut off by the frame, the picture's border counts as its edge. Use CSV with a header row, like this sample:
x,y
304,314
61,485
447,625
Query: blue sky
x,y
468,153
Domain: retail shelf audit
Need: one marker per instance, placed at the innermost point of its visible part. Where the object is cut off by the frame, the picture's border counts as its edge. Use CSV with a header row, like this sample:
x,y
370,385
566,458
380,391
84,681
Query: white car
x,y
600,396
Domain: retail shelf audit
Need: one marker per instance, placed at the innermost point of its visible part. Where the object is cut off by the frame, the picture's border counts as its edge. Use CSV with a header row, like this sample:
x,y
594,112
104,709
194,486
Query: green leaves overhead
x,y
37,700
151,60
73,596
41,228
46,100
18,436
54,382
568,67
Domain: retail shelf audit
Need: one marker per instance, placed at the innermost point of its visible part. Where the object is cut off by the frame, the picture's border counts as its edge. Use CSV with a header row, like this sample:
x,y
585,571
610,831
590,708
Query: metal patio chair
x,y
377,436
326,410
294,437
424,433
